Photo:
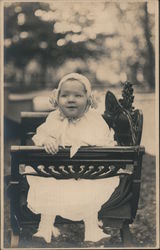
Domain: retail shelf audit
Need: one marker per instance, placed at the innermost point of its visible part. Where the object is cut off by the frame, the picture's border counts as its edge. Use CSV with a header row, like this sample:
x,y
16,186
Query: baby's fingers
x,y
47,149
56,147
50,149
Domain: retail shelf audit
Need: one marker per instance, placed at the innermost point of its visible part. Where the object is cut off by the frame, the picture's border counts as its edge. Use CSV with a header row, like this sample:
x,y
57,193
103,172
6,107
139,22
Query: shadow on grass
x,y
143,229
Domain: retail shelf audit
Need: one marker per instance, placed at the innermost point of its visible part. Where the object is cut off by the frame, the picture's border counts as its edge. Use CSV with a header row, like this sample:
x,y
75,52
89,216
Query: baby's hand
x,y
51,145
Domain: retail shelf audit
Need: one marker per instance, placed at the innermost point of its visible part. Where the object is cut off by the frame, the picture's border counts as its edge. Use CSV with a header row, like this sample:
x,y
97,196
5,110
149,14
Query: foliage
x,y
109,42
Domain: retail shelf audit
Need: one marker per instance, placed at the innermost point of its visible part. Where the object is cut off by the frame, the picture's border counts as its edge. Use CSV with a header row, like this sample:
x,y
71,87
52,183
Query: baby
x,y
74,123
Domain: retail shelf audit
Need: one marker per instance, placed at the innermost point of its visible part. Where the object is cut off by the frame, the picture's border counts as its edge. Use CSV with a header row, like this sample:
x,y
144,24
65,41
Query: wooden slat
x,y
34,114
122,149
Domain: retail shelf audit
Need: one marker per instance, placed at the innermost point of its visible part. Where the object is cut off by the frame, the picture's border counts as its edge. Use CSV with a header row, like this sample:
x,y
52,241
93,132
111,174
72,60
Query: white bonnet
x,y
80,78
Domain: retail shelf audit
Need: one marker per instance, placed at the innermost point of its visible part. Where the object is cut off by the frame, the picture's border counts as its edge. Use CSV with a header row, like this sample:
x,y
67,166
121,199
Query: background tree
x,y
109,42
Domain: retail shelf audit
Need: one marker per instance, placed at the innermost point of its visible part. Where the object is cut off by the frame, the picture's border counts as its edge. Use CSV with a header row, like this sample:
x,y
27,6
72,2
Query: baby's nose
x,y
71,98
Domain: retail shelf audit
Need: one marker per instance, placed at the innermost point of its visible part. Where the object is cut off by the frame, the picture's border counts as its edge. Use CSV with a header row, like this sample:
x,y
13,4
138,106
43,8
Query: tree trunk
x,y
150,70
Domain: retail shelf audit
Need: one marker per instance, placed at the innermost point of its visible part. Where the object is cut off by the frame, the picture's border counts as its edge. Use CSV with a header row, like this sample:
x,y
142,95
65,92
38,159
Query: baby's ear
x,y
53,99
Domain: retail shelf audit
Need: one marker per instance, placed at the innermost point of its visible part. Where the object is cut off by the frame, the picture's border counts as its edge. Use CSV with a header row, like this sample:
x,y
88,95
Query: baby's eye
x,y
78,95
64,95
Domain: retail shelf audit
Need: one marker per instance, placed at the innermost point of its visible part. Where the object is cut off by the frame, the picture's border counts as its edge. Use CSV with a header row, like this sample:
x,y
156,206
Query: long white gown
x,y
73,199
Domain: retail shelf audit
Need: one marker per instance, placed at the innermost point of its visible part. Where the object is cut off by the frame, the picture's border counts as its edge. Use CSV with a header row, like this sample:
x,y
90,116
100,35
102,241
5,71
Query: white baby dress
x,y
72,199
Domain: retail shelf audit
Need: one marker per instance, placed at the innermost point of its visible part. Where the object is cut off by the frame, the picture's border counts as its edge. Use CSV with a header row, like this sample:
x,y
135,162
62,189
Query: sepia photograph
x,y
79,124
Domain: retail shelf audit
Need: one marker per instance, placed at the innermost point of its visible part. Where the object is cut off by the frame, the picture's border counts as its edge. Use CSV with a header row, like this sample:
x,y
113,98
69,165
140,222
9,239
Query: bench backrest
x,y
120,115
29,123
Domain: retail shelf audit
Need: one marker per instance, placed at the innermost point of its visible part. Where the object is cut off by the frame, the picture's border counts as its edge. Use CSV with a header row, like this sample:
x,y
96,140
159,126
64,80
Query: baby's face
x,y
72,99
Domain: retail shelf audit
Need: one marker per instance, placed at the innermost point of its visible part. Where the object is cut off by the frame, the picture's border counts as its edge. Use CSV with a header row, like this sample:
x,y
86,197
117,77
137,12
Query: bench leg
x,y
14,239
126,235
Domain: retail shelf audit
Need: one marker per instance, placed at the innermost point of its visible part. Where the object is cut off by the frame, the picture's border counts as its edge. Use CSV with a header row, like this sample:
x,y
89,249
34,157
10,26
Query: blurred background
x,y
108,42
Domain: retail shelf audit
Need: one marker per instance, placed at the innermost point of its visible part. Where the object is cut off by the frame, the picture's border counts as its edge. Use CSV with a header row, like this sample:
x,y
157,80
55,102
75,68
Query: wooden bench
x,y
124,160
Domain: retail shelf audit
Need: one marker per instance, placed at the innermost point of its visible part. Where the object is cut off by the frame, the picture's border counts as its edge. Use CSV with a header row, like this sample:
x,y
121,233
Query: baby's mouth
x,y
71,107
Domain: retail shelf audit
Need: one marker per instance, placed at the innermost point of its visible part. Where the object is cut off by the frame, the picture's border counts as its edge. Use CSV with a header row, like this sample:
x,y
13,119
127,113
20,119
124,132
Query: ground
x,y
144,227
